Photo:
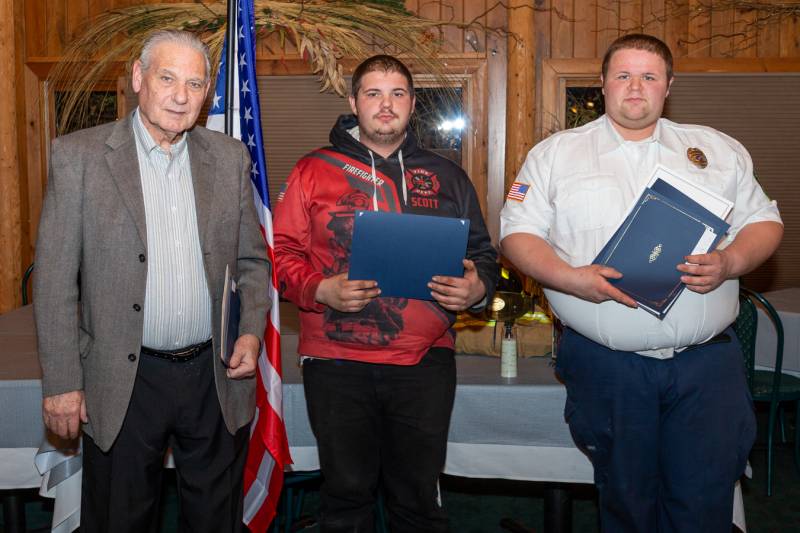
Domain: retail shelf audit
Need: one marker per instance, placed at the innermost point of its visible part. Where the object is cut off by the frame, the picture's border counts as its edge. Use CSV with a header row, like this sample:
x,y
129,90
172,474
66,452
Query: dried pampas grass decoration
x,y
324,32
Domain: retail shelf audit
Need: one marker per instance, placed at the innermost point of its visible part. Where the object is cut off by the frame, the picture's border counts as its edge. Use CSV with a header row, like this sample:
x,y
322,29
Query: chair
x,y
25,278
770,386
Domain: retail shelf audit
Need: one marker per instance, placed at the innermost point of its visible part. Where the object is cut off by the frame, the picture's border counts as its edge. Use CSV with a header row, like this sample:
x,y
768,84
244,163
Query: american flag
x,y
269,449
518,191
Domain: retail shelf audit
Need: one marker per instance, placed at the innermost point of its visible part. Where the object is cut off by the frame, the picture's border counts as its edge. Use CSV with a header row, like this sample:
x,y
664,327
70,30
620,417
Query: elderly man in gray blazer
x,y
140,219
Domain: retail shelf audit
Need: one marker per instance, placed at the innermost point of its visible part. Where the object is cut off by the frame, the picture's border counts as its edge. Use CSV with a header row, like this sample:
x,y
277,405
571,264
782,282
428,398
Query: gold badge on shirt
x,y
697,157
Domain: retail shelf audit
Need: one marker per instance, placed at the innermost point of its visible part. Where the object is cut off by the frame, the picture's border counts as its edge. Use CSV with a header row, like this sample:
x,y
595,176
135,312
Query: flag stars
x,y
241,32
245,88
254,169
217,98
247,116
251,140
243,60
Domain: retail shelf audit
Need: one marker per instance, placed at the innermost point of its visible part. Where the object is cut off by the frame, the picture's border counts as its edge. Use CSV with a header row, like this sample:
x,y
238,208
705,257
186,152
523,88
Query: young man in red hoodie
x,y
379,372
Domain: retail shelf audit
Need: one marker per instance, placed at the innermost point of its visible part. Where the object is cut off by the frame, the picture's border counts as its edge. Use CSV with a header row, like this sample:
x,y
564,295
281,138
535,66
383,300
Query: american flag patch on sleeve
x,y
518,191
282,193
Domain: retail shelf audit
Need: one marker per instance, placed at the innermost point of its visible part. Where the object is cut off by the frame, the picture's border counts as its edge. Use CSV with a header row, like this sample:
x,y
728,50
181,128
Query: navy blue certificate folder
x,y
403,252
231,316
662,229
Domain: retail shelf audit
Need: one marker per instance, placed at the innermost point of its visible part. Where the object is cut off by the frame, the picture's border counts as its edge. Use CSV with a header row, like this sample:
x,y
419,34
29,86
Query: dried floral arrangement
x,y
323,31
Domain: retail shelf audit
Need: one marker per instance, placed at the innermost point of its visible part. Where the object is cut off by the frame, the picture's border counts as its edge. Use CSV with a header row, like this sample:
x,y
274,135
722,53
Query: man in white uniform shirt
x,y
661,407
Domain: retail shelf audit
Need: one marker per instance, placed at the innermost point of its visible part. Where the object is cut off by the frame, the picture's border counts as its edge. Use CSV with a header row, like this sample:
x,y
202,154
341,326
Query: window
x,y
100,108
439,121
584,104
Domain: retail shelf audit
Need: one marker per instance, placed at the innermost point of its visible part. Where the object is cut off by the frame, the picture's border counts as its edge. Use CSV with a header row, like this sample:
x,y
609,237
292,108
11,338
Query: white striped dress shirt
x,y
177,306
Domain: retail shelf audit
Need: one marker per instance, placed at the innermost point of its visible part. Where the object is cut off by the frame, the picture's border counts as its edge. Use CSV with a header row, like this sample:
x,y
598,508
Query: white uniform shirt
x,y
583,180
177,305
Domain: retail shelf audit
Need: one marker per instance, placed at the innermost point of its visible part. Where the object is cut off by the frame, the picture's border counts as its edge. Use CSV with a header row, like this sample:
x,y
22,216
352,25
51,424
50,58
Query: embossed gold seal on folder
x,y
697,157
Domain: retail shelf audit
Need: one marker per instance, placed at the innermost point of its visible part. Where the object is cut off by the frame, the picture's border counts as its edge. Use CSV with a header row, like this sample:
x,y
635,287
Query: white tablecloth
x,y
510,429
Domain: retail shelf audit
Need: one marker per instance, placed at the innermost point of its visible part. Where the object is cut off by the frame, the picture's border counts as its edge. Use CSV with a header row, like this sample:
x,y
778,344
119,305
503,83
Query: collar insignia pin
x,y
697,157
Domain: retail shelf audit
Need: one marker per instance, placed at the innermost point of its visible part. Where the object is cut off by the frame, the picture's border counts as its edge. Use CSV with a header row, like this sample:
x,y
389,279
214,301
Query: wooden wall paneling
x,y
10,197
76,19
95,7
562,16
630,16
722,29
475,37
55,21
755,64
29,183
653,16
699,44
549,89
676,27
430,9
475,153
521,86
453,11
585,29
497,17
607,24
790,36
541,28
496,141
35,27
745,40
768,41
35,160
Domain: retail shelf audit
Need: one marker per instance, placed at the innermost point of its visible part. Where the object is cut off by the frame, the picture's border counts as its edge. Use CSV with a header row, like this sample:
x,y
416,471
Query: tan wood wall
x,y
33,34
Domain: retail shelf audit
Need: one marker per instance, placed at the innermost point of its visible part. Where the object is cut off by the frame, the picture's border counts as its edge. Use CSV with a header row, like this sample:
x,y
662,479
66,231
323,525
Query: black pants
x,y
173,404
381,425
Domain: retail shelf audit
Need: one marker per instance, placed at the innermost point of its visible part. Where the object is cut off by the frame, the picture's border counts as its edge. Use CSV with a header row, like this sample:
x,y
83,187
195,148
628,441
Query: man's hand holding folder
x,y
453,293
408,256
591,283
666,227
240,356
244,358
706,272
457,294
346,295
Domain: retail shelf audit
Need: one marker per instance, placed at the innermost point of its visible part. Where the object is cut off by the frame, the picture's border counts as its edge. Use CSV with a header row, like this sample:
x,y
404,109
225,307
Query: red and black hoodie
x,y
313,225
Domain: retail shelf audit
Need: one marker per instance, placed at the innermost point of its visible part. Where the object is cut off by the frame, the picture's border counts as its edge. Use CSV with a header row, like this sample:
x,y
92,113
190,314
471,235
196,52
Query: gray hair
x,y
184,38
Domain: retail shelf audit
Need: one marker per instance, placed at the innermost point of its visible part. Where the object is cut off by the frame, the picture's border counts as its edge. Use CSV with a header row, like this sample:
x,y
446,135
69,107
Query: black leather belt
x,y
178,356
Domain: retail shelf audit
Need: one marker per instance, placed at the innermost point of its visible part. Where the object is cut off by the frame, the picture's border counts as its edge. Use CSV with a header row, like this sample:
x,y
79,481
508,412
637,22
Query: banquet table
x,y
787,303
21,428
500,428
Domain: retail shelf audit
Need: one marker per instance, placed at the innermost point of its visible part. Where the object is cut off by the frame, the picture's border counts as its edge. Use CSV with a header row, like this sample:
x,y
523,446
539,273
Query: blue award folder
x,y
663,228
403,252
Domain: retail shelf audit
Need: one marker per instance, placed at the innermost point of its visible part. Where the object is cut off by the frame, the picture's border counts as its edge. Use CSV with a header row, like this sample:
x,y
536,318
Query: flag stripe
x,y
268,451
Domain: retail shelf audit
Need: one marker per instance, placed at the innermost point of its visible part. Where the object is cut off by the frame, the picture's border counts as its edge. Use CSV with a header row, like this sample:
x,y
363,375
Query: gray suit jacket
x,y
93,223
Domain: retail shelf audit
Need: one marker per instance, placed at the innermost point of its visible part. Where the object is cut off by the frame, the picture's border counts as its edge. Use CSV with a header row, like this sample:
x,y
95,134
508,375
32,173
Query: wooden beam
x,y
496,147
10,198
521,86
